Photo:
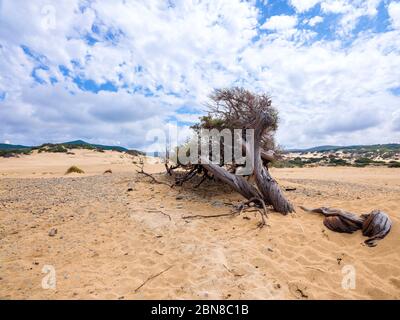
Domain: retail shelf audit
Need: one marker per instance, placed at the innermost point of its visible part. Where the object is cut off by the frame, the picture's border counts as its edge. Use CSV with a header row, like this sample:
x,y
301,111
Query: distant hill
x,y
357,156
8,149
99,146
4,146
374,147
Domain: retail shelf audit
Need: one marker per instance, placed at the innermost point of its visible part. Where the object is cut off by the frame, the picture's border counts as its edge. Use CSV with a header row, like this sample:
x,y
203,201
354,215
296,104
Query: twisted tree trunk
x,y
267,185
238,183
268,189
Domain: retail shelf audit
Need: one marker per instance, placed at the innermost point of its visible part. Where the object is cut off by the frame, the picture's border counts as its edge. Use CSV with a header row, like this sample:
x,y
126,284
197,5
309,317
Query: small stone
x,y
130,189
52,232
179,197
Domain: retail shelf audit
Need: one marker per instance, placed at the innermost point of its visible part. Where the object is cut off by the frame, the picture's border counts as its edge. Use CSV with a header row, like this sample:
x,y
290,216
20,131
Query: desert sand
x,y
117,231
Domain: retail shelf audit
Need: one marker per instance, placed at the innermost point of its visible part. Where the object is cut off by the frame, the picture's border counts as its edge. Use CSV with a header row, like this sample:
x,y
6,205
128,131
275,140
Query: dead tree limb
x,y
238,108
375,225
267,185
151,278
238,183
200,216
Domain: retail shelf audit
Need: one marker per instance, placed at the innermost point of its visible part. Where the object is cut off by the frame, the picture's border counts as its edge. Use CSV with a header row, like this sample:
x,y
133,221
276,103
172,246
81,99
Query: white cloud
x,y
394,13
279,23
303,5
335,6
326,91
350,12
314,21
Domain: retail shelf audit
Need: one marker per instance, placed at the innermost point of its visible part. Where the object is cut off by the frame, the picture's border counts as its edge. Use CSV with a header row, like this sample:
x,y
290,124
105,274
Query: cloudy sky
x,y
110,71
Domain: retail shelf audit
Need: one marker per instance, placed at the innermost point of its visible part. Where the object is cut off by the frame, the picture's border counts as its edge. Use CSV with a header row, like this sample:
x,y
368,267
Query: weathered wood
x,y
268,187
268,156
375,225
238,183
237,108
339,220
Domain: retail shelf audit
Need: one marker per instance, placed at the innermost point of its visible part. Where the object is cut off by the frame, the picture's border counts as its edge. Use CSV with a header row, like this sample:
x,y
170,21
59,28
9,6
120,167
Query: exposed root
x,y
199,216
153,179
375,225
179,181
159,211
151,278
263,213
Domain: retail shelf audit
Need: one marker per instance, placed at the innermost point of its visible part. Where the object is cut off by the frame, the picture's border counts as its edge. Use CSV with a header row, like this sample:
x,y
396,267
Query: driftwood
x,y
153,179
234,109
239,210
151,278
268,187
375,225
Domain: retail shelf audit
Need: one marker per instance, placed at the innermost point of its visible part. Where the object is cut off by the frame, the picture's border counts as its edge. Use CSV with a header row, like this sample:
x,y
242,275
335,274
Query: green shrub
x,y
394,164
282,164
338,162
14,153
56,148
363,160
74,169
359,165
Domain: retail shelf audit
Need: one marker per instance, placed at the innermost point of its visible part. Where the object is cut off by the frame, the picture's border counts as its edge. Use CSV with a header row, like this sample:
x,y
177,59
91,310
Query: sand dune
x,y
109,240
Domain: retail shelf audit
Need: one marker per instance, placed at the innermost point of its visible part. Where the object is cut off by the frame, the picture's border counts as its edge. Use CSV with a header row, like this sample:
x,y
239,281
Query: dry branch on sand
x,y
375,225
237,108
234,109
141,171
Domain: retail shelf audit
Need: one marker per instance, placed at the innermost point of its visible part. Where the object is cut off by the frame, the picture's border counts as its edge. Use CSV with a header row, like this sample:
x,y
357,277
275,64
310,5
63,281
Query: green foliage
x,y
338,162
74,169
282,164
54,148
14,153
363,160
394,164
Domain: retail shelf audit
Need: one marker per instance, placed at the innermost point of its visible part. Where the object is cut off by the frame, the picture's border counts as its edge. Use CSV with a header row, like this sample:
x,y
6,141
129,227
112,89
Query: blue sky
x,y
111,71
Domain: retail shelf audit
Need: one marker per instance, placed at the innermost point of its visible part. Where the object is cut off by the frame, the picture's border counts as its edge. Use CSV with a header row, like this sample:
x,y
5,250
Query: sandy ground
x,y
117,231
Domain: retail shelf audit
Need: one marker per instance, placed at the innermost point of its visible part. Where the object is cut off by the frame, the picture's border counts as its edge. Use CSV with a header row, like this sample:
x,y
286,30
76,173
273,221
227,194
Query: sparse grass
x,y
394,164
58,148
14,153
74,169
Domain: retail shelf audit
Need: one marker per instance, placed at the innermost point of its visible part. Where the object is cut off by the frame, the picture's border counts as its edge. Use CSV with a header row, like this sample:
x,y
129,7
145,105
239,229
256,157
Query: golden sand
x,y
111,241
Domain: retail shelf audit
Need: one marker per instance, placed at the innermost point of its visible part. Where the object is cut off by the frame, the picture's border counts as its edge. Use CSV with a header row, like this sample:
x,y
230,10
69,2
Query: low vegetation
x,y
8,151
74,169
14,153
394,164
54,148
356,156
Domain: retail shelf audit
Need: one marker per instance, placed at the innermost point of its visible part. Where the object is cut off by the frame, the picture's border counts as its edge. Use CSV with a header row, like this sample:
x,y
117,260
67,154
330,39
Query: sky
x,y
111,71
